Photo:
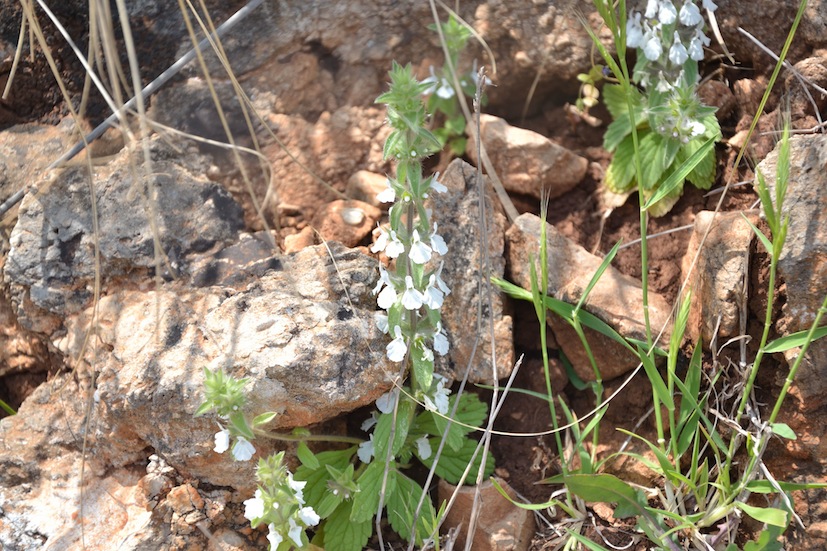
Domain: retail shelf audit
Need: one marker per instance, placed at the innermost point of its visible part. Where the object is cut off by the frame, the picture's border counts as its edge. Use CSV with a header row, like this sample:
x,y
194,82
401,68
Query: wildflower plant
x,y
441,92
672,124
338,493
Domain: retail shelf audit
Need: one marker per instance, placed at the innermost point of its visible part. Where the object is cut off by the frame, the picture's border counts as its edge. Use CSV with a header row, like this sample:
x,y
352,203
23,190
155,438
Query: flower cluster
x,y
225,395
279,504
670,34
413,292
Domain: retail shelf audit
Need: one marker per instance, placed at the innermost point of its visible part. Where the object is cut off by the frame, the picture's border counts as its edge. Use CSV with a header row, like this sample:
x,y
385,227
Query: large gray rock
x,y
456,212
51,267
303,335
718,278
803,262
616,298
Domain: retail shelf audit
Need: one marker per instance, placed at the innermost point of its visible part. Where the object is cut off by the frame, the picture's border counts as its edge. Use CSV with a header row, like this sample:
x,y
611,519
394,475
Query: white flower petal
x,y
254,507
690,15
651,9
222,441
441,342
243,450
411,299
423,448
387,195
385,402
667,13
395,246
386,298
274,537
308,516
678,53
295,533
653,48
397,348
381,321
365,451
420,252
381,242
709,5
370,422
436,185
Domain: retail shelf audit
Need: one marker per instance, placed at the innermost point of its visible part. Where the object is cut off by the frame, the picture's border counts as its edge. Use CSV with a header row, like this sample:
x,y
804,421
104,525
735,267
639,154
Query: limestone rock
x,y
803,262
526,162
51,265
364,186
617,299
501,526
308,346
347,222
718,278
458,223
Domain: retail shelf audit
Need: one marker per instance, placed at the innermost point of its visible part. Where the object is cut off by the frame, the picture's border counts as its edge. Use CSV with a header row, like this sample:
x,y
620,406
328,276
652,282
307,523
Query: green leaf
x,y
794,340
766,487
342,534
317,478
657,381
768,515
307,457
453,463
471,411
652,151
677,178
615,100
366,500
607,260
761,237
783,430
264,418
382,432
401,506
621,172
767,541
585,542
617,132
607,488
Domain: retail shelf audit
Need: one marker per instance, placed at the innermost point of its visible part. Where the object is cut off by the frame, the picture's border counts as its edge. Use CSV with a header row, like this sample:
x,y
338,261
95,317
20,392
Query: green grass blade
x,y
677,178
794,340
597,275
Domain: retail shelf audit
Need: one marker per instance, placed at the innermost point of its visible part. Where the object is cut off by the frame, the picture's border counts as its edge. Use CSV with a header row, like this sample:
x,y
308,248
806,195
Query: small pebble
x,y
352,216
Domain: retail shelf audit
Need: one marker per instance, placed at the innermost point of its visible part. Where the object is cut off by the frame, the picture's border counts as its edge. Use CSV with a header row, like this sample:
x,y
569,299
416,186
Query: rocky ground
x,y
116,296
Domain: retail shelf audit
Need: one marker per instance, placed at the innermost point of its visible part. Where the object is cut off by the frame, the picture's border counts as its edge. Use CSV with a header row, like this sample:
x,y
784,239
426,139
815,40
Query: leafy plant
x,y
442,92
670,121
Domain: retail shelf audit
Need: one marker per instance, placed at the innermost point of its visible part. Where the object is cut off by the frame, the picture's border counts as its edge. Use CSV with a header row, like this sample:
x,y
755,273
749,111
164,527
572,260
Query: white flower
x,y
439,402
690,15
667,13
696,128
295,533
387,195
439,283
370,422
381,242
243,450
423,448
440,340
445,91
677,53
254,507
386,298
222,441
696,50
709,5
411,298
653,48
384,279
274,537
437,243
651,9
397,348
395,246
436,185
297,486
427,354
420,252
634,31
433,296
365,451
308,516
385,402
381,321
